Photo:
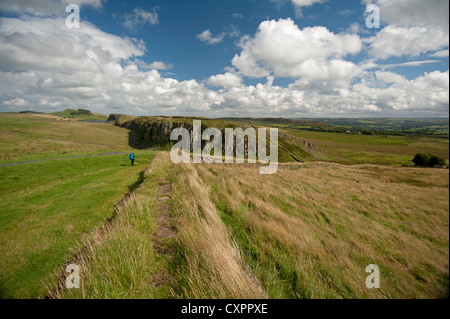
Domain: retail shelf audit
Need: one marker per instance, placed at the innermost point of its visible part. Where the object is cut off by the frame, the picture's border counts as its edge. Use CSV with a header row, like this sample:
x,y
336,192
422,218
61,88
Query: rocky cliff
x,y
155,131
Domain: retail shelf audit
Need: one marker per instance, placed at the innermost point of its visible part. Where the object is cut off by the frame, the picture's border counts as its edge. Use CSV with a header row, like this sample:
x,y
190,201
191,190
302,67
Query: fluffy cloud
x,y
207,36
158,65
44,66
441,54
44,7
427,93
400,41
313,54
409,22
139,18
56,67
227,80
409,13
37,44
299,4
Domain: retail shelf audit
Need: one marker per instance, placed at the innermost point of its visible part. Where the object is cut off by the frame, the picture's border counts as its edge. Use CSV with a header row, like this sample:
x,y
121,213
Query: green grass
x,y
121,262
48,207
306,232
66,114
26,137
370,149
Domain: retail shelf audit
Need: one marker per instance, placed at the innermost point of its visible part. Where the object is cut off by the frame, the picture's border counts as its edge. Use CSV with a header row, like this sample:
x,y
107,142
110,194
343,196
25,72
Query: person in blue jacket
x,y
132,159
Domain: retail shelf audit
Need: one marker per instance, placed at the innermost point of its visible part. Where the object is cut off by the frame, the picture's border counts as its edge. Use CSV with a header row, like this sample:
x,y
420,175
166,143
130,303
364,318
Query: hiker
x,y
132,159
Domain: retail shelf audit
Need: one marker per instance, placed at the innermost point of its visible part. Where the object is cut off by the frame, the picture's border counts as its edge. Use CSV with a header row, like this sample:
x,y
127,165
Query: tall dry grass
x,y
212,264
310,232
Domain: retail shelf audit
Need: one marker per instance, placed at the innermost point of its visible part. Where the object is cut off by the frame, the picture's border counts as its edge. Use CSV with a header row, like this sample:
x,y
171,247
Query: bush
x,y
437,161
428,160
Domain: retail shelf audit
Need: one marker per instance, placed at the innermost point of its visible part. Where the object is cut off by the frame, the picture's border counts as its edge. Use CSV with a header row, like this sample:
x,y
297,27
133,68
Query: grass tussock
x,y
209,261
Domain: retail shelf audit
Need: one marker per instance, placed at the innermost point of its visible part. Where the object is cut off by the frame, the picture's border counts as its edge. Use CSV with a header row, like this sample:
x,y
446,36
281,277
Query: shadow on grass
x,y
138,183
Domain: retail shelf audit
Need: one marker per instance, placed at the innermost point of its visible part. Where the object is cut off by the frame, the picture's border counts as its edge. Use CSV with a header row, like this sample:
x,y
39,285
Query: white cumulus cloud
x,y
227,80
207,37
413,28
312,54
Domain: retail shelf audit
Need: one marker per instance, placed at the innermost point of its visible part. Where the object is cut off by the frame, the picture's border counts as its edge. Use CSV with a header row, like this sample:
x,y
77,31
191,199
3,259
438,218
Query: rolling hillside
x,y
160,230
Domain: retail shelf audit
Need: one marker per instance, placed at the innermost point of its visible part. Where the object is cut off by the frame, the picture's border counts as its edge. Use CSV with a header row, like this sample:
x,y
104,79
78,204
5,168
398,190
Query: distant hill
x,y
34,112
280,121
80,114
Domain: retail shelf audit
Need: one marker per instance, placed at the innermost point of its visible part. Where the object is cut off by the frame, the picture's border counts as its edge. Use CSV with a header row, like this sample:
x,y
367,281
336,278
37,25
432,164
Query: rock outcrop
x,y
155,131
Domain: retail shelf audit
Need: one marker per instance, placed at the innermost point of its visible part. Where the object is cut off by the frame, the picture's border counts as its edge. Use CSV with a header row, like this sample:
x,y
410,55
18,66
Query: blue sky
x,y
174,40
290,58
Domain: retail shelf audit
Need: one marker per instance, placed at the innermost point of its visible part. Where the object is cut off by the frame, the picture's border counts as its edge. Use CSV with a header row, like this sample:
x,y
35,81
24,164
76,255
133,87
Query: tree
x,y
437,161
428,160
421,159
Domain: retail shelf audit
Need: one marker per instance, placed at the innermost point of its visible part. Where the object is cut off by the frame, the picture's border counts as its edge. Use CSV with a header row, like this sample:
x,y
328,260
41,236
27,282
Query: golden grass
x,y
310,232
214,266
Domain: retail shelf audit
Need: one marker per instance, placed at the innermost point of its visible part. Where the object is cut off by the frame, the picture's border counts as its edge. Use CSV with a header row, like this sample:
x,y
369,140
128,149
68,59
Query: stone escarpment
x,y
148,132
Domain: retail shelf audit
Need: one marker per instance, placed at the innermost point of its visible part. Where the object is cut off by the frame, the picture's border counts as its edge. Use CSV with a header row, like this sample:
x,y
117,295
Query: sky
x,y
233,58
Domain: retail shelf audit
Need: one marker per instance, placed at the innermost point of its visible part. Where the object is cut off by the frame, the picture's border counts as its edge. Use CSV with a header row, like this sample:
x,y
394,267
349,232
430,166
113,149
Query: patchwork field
x,y
372,149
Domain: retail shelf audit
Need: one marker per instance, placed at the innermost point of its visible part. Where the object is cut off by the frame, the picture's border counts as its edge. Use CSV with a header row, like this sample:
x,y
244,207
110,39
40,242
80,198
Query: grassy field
x,y
36,136
383,149
370,149
46,210
438,127
310,231
217,231
120,260
49,208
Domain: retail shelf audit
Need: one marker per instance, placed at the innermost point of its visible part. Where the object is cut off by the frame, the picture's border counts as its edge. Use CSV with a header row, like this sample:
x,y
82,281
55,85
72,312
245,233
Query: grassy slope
x,y
311,232
73,137
47,208
120,261
306,233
